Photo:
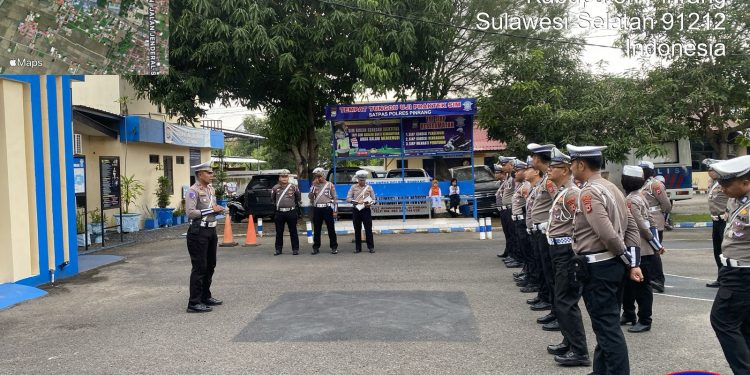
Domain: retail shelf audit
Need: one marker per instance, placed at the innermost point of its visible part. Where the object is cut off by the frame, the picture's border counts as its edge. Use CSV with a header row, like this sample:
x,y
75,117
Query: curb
x,y
688,225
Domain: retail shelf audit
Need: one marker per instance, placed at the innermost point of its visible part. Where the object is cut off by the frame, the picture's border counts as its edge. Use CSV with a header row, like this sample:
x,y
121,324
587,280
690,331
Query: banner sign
x,y
109,168
367,138
402,110
79,174
186,136
435,135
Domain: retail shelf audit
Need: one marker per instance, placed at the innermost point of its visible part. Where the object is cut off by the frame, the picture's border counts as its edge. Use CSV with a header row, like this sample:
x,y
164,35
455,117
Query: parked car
x,y
256,199
409,173
485,186
345,177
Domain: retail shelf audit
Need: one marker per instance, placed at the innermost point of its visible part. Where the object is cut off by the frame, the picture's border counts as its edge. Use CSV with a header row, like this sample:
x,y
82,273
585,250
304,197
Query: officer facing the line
x,y
362,197
201,209
730,315
287,198
717,206
600,224
323,200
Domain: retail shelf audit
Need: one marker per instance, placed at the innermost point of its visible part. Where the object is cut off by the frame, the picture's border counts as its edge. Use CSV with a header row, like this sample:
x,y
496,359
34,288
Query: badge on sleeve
x,y
571,204
630,204
586,201
191,194
551,187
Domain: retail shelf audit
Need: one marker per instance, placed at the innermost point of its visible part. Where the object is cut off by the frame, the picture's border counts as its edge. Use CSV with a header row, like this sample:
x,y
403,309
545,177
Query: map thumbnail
x,y
84,36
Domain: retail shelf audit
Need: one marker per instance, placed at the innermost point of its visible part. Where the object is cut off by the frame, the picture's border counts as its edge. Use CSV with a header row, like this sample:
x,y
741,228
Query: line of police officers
x,y
575,235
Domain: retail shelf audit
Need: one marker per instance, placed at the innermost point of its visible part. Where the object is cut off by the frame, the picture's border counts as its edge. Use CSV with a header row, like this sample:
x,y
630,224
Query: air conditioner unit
x,y
77,144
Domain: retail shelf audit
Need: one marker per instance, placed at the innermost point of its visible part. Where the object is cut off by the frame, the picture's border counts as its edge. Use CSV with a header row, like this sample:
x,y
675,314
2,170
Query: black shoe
x,y
295,252
638,327
546,319
558,349
533,301
519,279
658,287
278,252
357,251
714,284
334,251
530,289
573,359
552,326
519,274
198,308
513,265
503,255
509,259
624,320
212,302
522,284
541,306
315,251
372,251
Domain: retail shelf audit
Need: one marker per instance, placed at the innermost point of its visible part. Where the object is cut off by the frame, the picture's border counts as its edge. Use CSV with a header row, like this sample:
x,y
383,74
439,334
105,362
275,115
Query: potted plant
x,y
178,216
220,189
163,214
149,222
83,235
130,190
97,219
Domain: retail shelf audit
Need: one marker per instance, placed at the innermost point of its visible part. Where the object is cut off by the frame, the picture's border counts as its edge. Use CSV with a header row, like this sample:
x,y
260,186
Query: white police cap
x,y
529,162
505,159
318,171
632,170
497,167
284,172
540,149
202,167
732,168
584,151
361,174
660,178
708,162
646,164
557,157
519,165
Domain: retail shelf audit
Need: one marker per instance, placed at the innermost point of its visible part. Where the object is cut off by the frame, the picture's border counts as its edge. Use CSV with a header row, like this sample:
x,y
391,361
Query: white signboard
x,y
187,136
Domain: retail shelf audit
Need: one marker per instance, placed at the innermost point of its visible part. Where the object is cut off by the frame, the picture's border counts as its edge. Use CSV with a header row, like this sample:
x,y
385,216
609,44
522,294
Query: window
x,y
153,159
168,172
263,182
180,159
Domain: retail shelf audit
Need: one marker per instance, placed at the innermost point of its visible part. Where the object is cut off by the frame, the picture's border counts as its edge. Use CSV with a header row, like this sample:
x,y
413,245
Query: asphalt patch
x,y
364,316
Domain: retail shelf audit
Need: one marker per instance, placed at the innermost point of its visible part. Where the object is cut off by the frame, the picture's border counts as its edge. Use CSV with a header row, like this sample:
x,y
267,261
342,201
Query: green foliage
x,y
162,192
97,216
80,221
219,189
130,190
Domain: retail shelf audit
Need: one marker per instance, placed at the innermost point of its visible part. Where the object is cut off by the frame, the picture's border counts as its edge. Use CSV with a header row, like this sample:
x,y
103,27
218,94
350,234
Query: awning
x,y
236,159
239,134
95,122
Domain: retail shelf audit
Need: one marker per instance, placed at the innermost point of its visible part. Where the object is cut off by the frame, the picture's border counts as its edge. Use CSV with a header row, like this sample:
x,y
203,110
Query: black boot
x,y
573,359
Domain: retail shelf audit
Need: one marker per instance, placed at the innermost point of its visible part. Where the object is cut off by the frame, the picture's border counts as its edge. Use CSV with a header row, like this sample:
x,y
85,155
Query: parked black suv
x,y
257,198
485,187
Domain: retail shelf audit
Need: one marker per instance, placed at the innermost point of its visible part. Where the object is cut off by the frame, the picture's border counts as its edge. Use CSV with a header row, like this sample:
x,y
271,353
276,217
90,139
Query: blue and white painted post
x,y
488,227
260,227
309,232
482,234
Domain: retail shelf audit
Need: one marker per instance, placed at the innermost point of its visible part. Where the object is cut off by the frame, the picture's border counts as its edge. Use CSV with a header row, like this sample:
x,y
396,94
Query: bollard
x,y
482,234
488,227
260,227
309,233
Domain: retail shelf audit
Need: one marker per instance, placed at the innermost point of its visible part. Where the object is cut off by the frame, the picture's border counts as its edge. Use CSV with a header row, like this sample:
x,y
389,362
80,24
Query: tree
x,y
710,95
546,96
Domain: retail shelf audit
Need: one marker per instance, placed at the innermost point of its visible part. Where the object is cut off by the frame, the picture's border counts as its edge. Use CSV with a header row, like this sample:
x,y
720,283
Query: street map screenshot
x,y
84,36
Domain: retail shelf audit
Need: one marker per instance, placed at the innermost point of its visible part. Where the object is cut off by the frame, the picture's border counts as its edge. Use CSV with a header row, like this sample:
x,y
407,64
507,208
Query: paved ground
x,y
129,317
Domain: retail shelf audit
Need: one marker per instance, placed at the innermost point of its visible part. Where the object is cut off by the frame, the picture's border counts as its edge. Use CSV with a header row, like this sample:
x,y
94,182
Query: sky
x,y
614,62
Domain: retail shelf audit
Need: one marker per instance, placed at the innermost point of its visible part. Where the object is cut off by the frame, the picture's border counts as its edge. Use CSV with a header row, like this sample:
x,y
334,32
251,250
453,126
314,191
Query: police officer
x,y
572,351
500,178
641,292
506,201
659,205
600,224
201,209
323,200
362,197
539,215
717,206
534,279
518,218
730,315
287,198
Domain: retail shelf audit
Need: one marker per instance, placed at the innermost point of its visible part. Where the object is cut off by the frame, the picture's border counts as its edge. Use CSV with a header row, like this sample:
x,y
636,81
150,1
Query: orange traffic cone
x,y
250,237
228,240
